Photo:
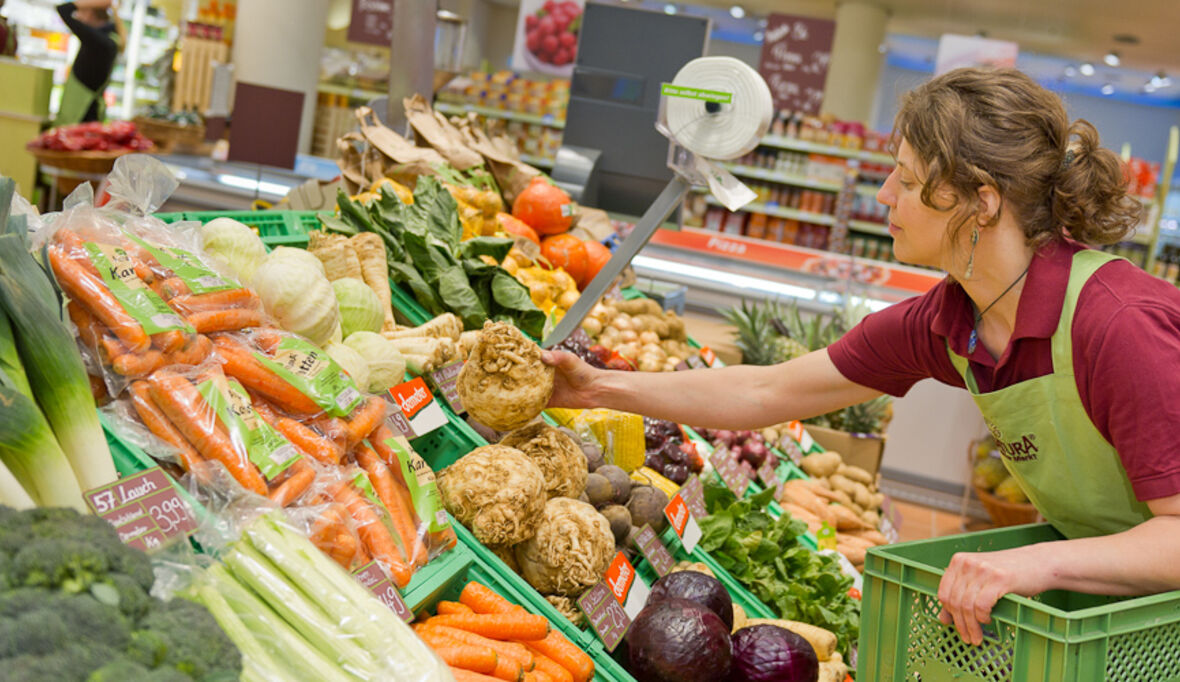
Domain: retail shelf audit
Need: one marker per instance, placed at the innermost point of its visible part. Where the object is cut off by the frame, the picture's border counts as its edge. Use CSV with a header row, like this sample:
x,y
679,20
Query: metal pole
x,y
411,56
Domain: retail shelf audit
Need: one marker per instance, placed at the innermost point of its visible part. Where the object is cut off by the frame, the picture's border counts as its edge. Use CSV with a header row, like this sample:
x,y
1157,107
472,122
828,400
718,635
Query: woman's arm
x,y
85,32
1142,560
739,397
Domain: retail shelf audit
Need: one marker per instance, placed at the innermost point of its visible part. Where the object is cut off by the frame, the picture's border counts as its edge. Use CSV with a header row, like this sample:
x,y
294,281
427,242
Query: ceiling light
x,y
1160,80
763,22
759,35
1086,69
737,12
1070,72
1111,58
1149,87
1108,89
669,9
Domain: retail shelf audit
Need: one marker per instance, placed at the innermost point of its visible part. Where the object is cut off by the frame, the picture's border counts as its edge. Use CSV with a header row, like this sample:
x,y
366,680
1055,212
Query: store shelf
x,y
869,227
780,212
462,109
538,161
794,144
354,93
868,189
783,178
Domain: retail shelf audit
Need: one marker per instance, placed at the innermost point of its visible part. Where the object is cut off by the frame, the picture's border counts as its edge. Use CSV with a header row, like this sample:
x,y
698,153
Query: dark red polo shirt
x,y
1126,354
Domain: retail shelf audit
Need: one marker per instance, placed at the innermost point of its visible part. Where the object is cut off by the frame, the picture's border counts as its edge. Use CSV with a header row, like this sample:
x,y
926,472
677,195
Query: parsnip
x,y
823,641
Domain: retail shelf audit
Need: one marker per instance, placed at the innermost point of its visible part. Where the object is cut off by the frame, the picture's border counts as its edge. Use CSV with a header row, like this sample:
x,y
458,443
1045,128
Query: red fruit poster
x,y
547,36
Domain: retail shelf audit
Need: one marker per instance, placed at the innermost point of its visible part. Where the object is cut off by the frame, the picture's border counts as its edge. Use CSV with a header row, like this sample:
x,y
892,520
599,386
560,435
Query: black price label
x,y
445,381
654,551
730,471
606,615
373,577
145,509
693,493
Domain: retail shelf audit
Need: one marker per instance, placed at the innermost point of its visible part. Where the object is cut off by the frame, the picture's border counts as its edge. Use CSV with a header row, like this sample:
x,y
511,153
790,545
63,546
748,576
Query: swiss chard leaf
x,y
435,209
512,299
496,247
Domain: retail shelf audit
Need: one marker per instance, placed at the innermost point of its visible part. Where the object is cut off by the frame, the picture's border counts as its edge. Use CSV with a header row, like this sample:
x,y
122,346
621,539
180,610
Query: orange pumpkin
x,y
544,207
596,257
517,227
567,252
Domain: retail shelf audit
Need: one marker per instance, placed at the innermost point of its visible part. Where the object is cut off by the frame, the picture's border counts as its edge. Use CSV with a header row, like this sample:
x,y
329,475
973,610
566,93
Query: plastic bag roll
x,y
720,130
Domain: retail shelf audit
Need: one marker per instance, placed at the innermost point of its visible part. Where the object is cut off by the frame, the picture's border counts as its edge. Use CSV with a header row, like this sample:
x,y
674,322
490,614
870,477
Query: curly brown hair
x,y
973,127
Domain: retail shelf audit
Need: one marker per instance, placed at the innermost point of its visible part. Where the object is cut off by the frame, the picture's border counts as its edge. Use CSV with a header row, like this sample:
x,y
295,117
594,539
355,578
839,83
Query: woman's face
x,y
918,231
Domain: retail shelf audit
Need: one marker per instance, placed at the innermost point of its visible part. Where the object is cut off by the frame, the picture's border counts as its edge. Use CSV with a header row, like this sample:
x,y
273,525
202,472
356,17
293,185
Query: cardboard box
x,y
859,449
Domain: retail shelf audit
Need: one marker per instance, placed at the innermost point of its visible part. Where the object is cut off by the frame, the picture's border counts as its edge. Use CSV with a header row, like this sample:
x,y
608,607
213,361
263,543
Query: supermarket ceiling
x,y
1055,36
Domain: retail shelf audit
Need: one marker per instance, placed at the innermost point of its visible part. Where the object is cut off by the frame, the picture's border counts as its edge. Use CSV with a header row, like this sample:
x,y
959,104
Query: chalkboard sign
x,y
371,22
795,55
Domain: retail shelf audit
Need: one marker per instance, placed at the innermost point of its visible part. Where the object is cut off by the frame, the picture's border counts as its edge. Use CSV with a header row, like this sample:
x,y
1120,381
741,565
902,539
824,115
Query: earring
x,y
971,259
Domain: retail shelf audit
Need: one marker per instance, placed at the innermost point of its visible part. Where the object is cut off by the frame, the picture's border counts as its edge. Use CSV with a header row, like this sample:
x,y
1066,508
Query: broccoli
x,y
73,663
61,548
192,641
120,670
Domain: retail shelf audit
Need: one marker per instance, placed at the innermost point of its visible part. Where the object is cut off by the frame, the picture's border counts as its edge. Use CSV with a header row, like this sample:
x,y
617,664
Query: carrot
x,y
169,341
332,535
552,669
449,607
179,400
401,510
302,475
539,675
159,425
171,288
377,439
481,599
513,651
194,352
373,532
469,657
306,439
216,300
508,626
268,338
462,675
225,320
138,364
364,419
91,332
243,366
334,430
566,654
89,290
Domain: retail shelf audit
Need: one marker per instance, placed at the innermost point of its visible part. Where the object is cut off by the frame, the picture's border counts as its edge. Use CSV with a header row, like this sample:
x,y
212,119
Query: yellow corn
x,y
619,433
649,476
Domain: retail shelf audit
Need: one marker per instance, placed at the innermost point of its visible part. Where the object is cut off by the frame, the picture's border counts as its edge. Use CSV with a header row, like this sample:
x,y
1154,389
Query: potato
x,y
863,497
649,337
592,326
872,518
629,336
878,500
856,473
821,463
843,484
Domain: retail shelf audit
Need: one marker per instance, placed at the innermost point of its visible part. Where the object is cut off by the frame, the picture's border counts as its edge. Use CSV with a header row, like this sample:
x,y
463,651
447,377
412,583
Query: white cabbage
x,y
387,366
297,293
351,362
360,309
234,246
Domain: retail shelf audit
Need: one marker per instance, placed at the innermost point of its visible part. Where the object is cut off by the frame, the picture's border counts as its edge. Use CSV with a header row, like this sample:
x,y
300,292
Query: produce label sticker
x,y
145,509
315,375
630,592
118,273
769,476
606,615
199,278
683,522
374,577
805,442
265,447
445,381
654,551
825,537
419,478
693,493
730,471
686,92
418,413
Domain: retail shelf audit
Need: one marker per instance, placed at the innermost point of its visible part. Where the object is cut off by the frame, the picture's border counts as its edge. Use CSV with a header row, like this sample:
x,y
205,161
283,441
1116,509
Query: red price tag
x,y
373,577
654,551
417,413
708,356
630,592
145,509
606,615
730,471
683,523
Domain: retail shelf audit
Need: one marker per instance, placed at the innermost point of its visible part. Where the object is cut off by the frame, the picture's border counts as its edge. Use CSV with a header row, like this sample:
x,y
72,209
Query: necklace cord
x,y
974,338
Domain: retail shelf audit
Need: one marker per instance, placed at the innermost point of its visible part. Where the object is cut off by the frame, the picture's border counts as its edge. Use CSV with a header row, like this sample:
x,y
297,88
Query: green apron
x,y
1047,441
76,99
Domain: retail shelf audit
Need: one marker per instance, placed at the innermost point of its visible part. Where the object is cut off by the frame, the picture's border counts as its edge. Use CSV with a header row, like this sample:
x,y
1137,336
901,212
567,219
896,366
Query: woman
x,y
99,33
1073,356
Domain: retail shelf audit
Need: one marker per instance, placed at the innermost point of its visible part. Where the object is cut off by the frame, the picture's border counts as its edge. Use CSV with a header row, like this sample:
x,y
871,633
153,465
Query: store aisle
x,y
919,522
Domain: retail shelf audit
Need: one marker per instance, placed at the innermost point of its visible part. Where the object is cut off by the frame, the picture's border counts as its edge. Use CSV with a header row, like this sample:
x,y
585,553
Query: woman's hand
x,y
573,380
975,581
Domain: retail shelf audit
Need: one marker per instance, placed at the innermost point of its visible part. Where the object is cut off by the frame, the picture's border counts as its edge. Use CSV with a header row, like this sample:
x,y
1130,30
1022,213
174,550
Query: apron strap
x,y
1085,263
963,367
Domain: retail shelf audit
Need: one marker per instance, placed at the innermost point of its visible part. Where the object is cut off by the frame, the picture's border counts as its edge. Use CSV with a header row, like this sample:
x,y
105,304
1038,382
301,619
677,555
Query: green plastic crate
x,y
1058,636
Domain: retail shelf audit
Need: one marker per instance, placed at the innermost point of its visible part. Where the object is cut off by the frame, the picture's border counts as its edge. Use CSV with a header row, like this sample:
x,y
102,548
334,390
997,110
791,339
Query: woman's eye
x,y
906,184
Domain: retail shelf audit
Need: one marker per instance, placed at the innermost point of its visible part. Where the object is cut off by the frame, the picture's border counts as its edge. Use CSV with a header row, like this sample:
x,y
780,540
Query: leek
x,y
53,365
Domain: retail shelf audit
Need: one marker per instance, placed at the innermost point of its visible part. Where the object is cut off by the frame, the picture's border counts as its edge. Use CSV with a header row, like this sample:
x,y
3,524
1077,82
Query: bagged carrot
x,y
415,486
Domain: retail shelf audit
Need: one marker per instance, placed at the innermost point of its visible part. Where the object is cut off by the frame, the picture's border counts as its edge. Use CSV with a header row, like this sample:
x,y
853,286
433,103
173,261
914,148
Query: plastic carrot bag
x,y
331,528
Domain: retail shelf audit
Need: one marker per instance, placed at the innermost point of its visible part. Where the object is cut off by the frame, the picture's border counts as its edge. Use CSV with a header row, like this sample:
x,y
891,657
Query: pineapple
x,y
760,334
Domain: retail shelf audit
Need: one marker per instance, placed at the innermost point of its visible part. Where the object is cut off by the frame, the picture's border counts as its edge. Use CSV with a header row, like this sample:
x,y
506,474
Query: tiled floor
x,y
919,522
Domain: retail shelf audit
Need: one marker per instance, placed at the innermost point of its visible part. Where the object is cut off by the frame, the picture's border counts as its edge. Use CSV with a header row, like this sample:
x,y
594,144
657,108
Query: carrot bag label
x,y
420,480
265,447
199,278
315,375
118,273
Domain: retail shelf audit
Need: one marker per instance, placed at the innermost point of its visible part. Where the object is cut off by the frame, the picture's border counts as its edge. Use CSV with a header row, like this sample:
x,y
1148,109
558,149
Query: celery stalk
x,y
294,606
293,655
53,364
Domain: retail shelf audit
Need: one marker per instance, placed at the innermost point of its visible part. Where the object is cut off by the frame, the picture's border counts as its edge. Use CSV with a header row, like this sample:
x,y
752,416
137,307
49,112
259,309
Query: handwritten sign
x,y
693,493
374,577
769,476
730,471
795,55
445,381
683,522
371,22
606,615
145,509
417,412
654,551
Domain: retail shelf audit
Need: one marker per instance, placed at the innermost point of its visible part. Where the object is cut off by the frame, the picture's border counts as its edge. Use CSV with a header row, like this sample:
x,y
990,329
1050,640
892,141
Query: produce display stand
x,y
1058,636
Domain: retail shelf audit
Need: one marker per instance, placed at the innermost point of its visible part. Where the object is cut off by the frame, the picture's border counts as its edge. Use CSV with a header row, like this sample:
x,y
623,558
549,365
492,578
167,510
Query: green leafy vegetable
x,y
765,555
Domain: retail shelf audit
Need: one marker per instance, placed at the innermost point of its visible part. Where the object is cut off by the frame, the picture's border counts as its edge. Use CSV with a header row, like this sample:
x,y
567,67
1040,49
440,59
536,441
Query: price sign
x,y
769,476
708,356
606,615
145,509
654,551
445,380
730,471
789,446
417,413
683,522
693,493
695,362
373,577
630,591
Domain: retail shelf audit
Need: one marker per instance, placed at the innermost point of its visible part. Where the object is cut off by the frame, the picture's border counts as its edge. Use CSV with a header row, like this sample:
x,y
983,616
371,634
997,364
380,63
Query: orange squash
x,y
544,207
517,227
567,252
596,257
